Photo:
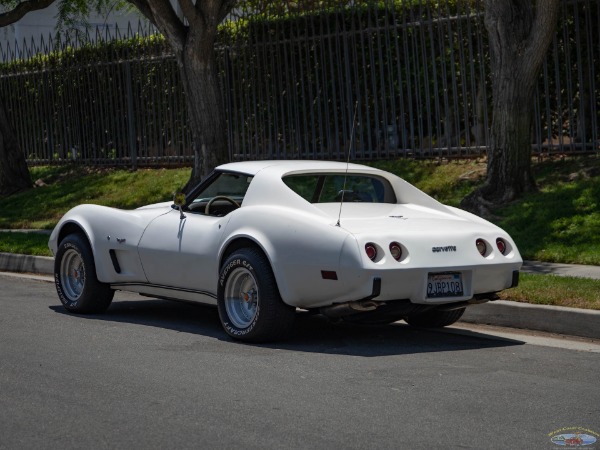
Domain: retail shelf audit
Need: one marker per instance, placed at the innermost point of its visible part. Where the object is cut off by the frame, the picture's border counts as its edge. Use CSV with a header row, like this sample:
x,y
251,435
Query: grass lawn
x,y
559,223
24,243
554,290
65,187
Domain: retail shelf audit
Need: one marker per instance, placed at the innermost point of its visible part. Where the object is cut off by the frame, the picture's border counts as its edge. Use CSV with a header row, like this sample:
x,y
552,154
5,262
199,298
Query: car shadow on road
x,y
320,335
171,315
312,333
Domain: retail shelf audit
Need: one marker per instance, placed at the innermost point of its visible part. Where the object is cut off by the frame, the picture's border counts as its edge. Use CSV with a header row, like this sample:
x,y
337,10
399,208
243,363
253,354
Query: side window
x,y
356,189
303,185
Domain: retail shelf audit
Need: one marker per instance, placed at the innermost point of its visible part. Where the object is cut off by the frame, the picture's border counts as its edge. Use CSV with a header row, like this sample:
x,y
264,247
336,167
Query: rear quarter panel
x,y
299,245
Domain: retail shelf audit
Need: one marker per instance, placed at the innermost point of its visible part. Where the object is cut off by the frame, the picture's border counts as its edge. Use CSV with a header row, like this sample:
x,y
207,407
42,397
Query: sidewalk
x,y
553,319
566,270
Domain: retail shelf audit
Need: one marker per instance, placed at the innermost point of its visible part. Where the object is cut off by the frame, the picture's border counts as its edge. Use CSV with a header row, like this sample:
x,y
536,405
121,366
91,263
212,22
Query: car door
x,y
181,252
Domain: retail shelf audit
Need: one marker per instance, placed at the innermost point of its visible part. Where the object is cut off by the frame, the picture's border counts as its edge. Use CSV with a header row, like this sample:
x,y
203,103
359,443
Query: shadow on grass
x,y
559,223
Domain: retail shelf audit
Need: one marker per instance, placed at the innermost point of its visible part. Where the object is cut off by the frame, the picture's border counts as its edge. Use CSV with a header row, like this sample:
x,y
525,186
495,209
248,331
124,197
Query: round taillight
x,y
501,245
371,251
481,247
396,251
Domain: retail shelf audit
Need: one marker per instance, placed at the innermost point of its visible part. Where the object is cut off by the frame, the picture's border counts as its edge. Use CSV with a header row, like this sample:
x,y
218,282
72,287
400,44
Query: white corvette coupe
x,y
260,239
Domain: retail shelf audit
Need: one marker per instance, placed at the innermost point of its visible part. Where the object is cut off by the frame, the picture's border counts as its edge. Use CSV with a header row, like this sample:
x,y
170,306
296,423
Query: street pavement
x,y
152,374
559,320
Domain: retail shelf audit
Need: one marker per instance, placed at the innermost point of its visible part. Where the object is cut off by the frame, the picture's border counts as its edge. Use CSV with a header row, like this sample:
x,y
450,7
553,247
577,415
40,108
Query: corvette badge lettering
x,y
448,248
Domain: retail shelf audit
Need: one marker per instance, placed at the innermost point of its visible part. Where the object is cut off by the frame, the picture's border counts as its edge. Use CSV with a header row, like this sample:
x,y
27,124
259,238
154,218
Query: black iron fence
x,y
404,78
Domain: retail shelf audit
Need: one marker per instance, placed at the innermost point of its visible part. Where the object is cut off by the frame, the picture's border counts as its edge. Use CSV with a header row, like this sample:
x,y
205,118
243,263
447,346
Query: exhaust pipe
x,y
349,308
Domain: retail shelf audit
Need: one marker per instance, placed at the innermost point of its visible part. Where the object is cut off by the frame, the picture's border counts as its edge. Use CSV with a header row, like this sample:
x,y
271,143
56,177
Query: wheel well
x,y
239,243
71,228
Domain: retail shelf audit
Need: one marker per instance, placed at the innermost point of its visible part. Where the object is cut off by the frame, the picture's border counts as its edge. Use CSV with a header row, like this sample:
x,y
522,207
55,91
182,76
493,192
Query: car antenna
x,y
347,163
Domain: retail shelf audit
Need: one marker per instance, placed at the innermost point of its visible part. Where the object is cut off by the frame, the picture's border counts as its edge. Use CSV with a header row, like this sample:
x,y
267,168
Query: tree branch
x,y
21,9
163,16
189,10
226,7
544,27
143,7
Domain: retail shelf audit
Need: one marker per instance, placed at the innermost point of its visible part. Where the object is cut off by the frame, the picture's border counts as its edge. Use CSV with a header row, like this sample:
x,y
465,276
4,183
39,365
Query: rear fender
x,y
298,252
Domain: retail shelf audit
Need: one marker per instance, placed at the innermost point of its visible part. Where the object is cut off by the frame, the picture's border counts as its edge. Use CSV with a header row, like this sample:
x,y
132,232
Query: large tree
x,y
191,33
520,32
14,174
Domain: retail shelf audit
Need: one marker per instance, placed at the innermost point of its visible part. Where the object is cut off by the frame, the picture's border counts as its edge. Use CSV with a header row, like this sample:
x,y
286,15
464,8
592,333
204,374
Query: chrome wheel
x,y
241,297
77,285
72,274
250,307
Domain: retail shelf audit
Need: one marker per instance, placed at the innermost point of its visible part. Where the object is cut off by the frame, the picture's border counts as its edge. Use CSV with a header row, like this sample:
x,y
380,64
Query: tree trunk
x,y
198,69
509,155
520,32
191,32
14,174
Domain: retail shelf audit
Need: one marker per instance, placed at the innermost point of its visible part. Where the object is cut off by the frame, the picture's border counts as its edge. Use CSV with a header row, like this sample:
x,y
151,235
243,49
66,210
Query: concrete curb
x,y
10,262
553,319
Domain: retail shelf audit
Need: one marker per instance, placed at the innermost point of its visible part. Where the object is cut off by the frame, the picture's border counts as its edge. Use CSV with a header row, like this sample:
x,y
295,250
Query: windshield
x,y
328,188
221,194
226,184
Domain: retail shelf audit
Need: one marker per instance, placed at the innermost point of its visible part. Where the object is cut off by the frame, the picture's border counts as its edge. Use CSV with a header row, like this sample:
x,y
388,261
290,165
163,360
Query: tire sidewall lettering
x,y
229,327
225,272
62,296
238,262
232,329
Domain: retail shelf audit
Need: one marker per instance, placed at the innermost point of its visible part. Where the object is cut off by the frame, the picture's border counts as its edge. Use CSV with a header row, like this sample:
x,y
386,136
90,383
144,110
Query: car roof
x,y
284,166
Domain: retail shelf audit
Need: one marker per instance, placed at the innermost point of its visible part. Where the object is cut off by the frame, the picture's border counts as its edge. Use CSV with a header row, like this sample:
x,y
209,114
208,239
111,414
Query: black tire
x,y
250,307
435,319
77,286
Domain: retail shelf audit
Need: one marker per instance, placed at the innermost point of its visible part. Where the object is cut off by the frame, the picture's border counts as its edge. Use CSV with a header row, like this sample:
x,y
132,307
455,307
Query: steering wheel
x,y
219,197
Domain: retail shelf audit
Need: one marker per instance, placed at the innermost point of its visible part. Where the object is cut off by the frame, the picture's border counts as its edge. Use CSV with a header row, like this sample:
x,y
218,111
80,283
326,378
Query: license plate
x,y
447,284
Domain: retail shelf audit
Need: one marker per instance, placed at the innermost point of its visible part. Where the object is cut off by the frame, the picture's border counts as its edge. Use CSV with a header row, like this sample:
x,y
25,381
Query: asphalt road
x,y
157,374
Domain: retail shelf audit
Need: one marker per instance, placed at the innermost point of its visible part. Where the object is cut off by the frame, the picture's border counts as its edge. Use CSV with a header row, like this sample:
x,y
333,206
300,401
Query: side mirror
x,y
179,200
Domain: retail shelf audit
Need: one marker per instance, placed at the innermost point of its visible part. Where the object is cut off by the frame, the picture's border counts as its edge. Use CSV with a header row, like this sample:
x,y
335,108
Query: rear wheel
x,y
75,277
435,319
250,307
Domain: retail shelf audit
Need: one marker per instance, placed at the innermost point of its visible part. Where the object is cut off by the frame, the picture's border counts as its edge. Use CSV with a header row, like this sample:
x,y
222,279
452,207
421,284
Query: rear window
x,y
329,188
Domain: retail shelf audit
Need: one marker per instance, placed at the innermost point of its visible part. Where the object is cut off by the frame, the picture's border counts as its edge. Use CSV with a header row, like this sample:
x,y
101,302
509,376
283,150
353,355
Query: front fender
x,y
109,229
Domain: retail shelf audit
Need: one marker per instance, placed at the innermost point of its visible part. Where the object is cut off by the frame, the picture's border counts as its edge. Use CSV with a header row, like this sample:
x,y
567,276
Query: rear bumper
x,y
411,284
385,285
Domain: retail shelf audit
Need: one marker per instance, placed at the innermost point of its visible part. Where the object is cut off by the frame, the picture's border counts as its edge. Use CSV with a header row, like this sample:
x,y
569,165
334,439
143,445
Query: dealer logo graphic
x,y
574,437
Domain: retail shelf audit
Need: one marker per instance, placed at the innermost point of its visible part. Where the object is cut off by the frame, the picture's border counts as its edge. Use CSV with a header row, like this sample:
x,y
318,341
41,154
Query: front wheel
x,y
75,277
435,319
250,307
